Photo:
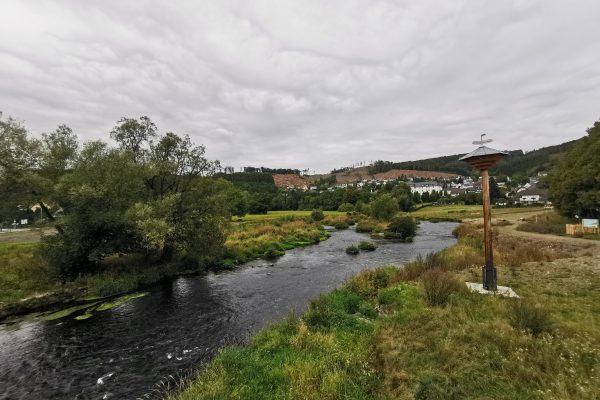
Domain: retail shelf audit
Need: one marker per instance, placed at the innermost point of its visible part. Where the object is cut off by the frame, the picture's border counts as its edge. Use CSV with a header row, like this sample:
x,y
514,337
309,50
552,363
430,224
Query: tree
x,y
495,192
385,206
134,135
152,195
575,181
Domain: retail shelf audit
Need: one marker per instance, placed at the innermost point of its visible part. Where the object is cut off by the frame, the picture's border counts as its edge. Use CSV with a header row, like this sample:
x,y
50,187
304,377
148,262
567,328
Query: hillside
x,y
517,162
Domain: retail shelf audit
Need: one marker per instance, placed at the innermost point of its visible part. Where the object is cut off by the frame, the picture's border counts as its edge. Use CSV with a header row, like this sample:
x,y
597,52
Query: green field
x,y
284,214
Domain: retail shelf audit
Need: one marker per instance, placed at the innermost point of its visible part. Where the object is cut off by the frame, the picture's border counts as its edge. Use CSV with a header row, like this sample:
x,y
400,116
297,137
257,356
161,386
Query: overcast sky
x,y
308,84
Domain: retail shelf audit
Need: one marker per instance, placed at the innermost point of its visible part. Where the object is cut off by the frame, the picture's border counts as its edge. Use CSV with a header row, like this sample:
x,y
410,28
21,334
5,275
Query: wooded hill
x,y
517,162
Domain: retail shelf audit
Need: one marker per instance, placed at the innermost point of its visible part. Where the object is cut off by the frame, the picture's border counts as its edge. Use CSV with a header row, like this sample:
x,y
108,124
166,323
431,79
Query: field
x,y
417,333
283,214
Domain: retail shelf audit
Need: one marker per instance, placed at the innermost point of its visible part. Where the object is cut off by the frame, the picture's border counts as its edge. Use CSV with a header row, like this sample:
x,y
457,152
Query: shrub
x,y
341,225
401,228
317,215
273,251
438,285
346,207
365,245
526,316
365,227
352,250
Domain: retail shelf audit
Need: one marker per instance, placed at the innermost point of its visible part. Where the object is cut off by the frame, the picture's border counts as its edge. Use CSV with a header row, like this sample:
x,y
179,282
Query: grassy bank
x,y
24,275
270,238
416,333
284,214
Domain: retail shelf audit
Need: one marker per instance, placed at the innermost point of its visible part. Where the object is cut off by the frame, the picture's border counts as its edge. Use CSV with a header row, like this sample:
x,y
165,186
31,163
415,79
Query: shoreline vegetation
x,y
27,285
26,282
418,333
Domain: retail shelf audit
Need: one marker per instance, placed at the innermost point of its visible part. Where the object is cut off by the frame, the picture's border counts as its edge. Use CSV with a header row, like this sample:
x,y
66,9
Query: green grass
x,y
21,272
378,338
284,214
270,238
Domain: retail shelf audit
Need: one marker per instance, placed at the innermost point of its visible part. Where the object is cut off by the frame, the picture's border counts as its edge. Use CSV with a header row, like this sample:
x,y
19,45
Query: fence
x,y
573,229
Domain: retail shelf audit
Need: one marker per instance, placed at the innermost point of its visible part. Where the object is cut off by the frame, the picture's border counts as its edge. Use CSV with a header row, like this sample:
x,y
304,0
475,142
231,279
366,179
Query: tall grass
x,y
270,238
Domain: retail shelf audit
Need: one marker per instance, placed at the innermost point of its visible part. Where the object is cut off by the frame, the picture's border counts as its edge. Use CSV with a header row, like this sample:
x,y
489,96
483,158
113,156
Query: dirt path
x,y
583,246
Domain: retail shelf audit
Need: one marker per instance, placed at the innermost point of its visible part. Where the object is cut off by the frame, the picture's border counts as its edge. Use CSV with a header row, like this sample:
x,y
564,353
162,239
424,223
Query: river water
x,y
124,352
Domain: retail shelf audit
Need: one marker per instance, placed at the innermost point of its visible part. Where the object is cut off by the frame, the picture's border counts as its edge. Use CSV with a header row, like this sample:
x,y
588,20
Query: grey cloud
x,y
308,83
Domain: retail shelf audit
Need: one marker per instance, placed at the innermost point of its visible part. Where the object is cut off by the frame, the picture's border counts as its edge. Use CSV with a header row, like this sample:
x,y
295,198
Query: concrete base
x,y
502,290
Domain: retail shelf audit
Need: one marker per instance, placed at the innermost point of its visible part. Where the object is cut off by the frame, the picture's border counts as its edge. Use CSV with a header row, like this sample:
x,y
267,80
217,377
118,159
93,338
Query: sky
x,y
307,84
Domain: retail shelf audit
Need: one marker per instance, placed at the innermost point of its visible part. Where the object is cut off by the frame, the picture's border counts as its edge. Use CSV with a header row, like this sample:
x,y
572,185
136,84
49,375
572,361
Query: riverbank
x,y
26,283
418,333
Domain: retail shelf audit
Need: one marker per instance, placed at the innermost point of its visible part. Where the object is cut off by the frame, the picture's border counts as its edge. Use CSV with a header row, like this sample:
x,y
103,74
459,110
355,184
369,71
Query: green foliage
x,y
273,251
353,250
574,183
317,215
346,207
365,226
401,228
341,225
365,245
385,206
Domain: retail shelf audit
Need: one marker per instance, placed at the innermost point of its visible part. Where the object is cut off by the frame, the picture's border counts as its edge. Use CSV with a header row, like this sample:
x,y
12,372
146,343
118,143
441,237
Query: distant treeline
x,y
517,162
272,170
254,182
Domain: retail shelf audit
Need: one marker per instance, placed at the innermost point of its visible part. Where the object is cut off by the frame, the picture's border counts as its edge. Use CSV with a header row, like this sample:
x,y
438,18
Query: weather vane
x,y
481,142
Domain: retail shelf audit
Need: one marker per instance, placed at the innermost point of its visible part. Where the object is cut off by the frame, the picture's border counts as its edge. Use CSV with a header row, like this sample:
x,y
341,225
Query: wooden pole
x,y
489,272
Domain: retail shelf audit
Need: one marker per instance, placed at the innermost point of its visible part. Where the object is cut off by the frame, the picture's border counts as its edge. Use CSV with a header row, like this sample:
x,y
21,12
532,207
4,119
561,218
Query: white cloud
x,y
308,83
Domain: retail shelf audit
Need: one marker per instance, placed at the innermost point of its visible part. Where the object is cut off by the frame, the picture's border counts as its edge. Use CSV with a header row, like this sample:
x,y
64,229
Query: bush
x,y
317,215
365,245
346,207
341,225
384,207
273,251
352,250
365,227
402,228
533,318
438,285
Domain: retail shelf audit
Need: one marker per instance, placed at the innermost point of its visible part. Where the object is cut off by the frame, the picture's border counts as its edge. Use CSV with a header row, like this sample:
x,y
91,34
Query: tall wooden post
x,y
489,271
483,158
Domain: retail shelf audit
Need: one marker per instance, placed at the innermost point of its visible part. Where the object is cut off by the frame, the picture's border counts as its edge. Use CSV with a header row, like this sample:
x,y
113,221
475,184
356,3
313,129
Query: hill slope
x,y
517,162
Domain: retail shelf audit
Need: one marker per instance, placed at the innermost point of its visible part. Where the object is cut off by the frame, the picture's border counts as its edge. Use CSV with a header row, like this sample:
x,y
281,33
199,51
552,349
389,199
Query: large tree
x,y
575,180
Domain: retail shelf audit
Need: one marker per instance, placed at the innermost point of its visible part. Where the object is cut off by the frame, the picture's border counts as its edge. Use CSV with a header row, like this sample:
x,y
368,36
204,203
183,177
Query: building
x,y
425,187
532,195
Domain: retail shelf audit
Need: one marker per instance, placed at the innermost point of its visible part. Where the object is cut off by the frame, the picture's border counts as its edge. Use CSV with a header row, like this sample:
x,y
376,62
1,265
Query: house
x,y
532,195
425,187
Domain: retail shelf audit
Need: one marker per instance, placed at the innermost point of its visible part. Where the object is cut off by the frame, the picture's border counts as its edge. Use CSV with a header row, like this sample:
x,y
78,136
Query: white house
x,y
425,187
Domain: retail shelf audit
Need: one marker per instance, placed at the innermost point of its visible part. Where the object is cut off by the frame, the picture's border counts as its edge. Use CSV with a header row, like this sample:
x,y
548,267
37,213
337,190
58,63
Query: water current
x,y
124,352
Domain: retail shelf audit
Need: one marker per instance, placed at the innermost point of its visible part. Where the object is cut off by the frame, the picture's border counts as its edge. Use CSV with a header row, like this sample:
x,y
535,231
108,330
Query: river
x,y
124,353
